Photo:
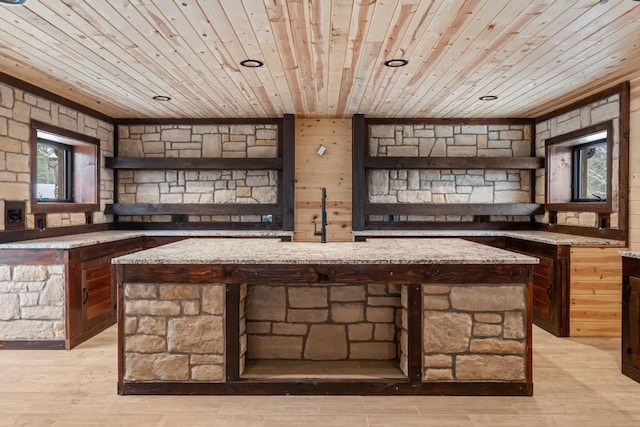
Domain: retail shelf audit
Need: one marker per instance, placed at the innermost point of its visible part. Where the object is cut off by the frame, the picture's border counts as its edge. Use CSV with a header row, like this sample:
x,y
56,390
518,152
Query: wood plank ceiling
x,y
323,58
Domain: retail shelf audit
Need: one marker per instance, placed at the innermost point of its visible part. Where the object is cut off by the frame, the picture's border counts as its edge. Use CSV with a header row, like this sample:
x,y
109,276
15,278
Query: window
x,y
590,172
55,172
64,170
579,170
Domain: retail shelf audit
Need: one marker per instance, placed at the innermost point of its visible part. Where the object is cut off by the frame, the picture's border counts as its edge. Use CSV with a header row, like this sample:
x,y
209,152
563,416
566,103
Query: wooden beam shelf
x,y
193,209
453,209
454,162
196,163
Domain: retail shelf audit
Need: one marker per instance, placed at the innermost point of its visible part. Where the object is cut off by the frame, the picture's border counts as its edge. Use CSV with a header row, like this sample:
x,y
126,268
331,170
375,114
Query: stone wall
x,y
32,302
297,322
592,114
206,187
174,332
17,109
447,185
474,332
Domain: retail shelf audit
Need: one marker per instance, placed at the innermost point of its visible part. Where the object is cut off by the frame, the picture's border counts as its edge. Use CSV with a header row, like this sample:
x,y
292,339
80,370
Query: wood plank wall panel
x,y
332,170
595,292
634,167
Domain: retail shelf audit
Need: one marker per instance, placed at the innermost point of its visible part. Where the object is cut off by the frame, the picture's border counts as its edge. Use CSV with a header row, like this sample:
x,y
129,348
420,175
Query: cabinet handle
x,y
549,289
85,296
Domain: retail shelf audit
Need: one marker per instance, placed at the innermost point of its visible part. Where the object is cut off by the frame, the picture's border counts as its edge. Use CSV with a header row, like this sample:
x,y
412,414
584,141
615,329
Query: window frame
x,y
85,164
68,170
578,179
559,150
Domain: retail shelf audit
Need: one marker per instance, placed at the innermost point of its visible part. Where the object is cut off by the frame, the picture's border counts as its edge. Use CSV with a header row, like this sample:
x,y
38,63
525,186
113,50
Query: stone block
x,y
148,193
207,373
9,307
487,317
360,332
380,314
30,273
438,361
465,139
326,342
436,302
387,301
176,135
130,325
376,289
347,313
274,347
381,131
152,325
27,329
378,182
42,313
28,298
258,327
486,330
5,273
435,289
152,308
487,298
483,194
373,350
384,332
402,151
514,325
264,194
53,292
206,359
496,346
346,293
490,367
145,344
140,291
196,334
149,367
148,177
462,151
446,332
179,292
262,151
432,374
289,328
213,299
307,316
266,303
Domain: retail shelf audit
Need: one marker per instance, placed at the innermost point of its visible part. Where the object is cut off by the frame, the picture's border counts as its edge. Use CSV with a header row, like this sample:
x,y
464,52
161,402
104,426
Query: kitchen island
x,y
262,316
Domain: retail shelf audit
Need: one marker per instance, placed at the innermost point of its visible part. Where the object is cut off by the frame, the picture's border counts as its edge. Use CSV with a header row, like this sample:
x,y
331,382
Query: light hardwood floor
x,y
577,383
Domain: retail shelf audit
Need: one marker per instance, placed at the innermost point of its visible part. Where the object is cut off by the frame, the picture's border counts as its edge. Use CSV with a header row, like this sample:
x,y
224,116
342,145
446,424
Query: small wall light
x,y
162,98
251,63
393,63
321,150
488,98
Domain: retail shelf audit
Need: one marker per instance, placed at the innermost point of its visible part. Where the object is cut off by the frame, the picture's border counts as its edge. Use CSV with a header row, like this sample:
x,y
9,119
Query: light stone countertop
x,y
630,254
530,235
88,239
377,251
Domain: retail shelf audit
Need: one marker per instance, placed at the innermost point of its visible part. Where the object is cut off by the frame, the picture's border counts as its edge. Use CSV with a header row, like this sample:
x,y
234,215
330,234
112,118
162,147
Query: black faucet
x,y
323,230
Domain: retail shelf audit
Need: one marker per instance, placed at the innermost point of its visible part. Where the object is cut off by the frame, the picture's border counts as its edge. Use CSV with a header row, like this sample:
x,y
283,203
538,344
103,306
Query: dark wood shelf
x,y
195,163
453,162
453,209
193,209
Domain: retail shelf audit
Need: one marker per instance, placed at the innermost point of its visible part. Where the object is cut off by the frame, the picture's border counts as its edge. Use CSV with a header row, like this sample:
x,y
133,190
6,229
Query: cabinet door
x,y
98,296
544,289
631,328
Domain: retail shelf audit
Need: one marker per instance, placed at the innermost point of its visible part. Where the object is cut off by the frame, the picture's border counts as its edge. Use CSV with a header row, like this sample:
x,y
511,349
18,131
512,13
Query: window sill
x,y
600,207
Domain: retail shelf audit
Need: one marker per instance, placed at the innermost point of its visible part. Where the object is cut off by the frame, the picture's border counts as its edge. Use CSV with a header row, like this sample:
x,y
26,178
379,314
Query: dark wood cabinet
x,y
631,318
550,284
91,292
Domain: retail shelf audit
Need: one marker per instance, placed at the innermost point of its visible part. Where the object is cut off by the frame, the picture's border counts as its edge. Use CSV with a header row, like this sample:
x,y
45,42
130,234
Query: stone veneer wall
x,y
17,109
297,322
32,302
592,114
174,332
474,332
198,141
447,185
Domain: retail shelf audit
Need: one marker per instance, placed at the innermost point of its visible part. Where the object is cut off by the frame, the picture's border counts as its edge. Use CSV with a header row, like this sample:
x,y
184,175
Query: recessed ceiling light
x,y
488,98
393,63
162,98
251,63
12,1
